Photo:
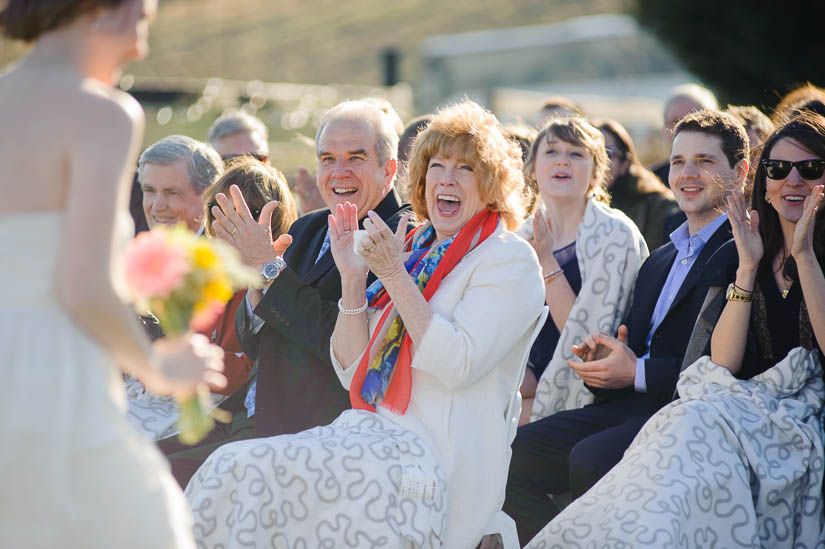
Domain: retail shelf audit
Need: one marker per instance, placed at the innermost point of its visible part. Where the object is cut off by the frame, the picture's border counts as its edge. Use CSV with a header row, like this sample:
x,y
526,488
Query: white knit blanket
x,y
732,463
610,250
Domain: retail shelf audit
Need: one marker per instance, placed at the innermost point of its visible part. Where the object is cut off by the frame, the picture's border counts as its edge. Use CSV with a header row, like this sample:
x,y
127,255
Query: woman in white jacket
x,y
432,357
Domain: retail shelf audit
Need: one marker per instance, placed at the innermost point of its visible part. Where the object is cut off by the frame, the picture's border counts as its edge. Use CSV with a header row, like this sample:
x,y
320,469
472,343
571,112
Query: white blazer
x,y
466,373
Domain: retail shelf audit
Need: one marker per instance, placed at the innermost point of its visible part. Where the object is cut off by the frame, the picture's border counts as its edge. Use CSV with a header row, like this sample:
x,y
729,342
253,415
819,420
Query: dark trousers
x,y
185,460
567,452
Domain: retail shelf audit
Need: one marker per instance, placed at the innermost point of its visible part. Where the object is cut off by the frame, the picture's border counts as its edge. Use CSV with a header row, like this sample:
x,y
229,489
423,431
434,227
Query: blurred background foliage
x,y
747,52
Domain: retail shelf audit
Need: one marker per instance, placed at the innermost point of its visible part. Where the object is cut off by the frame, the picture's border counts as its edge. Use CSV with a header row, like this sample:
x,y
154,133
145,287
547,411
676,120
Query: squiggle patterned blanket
x,y
362,481
733,463
610,250
154,415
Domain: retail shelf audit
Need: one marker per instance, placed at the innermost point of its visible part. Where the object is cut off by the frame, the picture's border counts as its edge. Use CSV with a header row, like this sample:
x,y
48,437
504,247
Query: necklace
x,y
786,290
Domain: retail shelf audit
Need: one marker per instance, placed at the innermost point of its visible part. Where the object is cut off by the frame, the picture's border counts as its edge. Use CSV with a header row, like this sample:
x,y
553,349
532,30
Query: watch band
x,y
733,295
271,270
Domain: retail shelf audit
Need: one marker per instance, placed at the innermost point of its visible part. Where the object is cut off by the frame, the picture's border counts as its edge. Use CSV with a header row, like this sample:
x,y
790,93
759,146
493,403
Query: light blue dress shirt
x,y
688,248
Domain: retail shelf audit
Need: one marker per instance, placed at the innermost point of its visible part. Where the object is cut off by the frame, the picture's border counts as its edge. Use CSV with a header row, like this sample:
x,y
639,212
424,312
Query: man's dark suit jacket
x,y
670,340
297,387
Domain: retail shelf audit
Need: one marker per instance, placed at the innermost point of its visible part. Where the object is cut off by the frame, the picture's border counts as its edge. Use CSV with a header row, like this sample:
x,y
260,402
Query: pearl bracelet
x,y
352,312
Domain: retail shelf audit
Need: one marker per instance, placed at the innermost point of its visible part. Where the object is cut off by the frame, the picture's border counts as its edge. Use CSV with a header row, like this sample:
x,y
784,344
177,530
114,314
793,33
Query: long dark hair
x,y
807,130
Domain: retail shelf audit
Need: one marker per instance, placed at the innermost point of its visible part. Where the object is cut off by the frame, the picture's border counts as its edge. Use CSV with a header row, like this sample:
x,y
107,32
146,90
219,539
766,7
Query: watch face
x,y
271,270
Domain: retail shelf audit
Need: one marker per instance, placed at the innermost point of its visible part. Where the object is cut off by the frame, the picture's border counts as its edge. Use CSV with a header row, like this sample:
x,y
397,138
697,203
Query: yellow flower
x,y
218,289
204,256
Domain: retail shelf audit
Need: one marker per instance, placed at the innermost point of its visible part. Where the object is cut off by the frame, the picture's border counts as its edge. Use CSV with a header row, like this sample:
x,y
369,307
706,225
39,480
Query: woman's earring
x,y
767,197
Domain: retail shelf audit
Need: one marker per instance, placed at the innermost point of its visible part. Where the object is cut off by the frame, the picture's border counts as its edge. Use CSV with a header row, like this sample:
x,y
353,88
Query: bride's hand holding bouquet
x,y
185,282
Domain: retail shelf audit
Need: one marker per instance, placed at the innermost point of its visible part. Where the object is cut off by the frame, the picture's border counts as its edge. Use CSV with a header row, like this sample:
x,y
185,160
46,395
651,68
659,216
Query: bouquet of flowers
x,y
185,282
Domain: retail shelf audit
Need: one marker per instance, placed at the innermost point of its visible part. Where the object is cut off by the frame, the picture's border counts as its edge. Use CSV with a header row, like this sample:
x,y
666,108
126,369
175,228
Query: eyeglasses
x,y
256,213
809,170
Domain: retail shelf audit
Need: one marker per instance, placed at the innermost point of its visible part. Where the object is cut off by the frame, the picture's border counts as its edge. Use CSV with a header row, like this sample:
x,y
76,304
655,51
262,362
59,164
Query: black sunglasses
x,y
808,170
256,213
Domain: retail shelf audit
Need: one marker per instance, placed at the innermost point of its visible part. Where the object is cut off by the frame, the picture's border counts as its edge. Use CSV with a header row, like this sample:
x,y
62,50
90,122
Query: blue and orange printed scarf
x,y
384,375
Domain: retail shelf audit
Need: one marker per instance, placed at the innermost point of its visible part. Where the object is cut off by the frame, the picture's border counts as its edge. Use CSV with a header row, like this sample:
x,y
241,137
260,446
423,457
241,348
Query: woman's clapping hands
x,y
342,226
383,249
745,226
803,236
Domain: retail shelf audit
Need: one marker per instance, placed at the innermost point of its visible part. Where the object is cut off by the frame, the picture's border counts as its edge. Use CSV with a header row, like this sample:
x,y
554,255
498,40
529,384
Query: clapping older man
x,y
286,326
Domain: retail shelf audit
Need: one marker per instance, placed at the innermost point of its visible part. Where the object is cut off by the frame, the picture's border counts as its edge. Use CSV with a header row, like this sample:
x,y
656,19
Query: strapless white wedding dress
x,y
73,471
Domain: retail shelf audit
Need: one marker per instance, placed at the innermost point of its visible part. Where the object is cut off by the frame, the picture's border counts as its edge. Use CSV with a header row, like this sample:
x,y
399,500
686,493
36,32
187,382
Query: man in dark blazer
x,y
634,374
287,325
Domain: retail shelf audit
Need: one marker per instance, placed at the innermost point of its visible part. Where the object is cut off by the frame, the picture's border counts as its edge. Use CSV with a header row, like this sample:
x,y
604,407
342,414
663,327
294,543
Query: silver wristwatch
x,y
271,270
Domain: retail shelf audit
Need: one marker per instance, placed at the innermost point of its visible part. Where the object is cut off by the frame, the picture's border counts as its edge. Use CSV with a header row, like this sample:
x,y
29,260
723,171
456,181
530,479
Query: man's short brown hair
x,y
726,127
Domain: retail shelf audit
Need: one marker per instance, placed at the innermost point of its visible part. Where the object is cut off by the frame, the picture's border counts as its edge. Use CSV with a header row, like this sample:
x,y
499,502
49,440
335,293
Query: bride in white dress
x,y
72,470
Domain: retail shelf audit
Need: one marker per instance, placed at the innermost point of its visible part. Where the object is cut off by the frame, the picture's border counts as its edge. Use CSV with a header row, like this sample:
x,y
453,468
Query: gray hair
x,y
364,112
203,163
234,122
699,94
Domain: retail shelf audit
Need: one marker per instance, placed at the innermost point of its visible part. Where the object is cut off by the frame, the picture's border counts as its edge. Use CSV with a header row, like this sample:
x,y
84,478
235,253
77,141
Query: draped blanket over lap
x,y
362,481
733,463
155,415
610,251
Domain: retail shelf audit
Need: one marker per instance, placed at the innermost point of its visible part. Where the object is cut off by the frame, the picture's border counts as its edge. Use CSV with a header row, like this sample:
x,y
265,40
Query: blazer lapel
x,y
322,266
648,299
721,236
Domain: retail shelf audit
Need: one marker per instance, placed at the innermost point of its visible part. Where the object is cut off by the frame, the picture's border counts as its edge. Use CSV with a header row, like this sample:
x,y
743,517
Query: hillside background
x,y
320,41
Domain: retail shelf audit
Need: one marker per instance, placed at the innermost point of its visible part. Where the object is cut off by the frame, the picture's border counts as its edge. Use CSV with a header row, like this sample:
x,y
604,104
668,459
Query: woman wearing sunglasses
x,y
737,461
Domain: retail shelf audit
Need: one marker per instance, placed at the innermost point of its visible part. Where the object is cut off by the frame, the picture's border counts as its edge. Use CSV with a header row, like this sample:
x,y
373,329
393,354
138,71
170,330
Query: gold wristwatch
x,y
733,295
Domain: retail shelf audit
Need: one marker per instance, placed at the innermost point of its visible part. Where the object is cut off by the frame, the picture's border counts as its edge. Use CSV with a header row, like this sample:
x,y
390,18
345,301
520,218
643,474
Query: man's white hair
x,y
364,112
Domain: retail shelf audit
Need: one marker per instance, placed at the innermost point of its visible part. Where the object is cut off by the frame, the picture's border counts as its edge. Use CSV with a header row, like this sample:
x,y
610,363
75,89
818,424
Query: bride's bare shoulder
x,y
105,102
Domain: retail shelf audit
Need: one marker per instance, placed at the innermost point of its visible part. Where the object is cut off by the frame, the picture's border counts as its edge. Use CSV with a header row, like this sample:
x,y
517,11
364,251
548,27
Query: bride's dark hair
x,y
28,19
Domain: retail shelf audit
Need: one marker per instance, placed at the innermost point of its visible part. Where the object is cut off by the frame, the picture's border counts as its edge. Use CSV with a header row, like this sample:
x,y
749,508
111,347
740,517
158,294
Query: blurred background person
x,y
758,127
634,189
405,146
556,106
237,133
757,124
524,135
806,97
681,101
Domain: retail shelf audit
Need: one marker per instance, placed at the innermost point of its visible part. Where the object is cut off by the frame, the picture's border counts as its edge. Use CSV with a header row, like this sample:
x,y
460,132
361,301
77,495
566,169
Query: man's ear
x,y
390,167
742,168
